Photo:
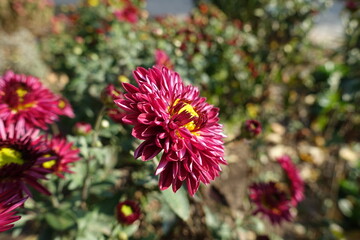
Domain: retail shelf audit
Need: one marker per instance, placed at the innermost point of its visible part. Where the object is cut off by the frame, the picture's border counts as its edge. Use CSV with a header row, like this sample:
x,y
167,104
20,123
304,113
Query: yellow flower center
x,y
21,92
9,155
22,107
189,109
61,104
49,164
126,210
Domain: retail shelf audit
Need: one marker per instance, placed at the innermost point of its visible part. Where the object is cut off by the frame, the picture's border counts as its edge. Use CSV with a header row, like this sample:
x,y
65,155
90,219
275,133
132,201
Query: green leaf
x,y
131,229
60,221
178,202
346,207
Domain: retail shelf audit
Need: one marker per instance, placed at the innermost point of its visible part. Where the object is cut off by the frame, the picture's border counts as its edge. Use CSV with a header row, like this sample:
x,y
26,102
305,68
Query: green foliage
x,y
178,202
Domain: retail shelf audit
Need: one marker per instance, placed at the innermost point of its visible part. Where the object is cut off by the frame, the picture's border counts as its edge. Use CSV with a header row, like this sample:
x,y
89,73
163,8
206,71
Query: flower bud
x,y
109,94
127,212
82,128
251,128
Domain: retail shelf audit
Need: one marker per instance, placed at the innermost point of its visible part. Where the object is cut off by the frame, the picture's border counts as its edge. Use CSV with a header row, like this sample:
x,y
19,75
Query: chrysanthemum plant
x,y
99,190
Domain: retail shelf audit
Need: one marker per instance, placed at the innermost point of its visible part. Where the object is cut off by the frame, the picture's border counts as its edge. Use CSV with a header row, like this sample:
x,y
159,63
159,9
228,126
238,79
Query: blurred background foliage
x,y
252,59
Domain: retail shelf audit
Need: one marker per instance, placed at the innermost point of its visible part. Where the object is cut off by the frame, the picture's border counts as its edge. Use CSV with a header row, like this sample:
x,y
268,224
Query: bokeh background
x,y
291,65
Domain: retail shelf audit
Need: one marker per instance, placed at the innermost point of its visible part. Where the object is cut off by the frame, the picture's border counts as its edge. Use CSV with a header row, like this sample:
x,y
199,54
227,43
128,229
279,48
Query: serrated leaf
x,y
178,202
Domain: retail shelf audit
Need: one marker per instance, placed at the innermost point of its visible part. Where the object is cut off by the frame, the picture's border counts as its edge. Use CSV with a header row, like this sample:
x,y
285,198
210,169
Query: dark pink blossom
x,y
65,154
129,14
108,95
162,59
127,212
82,128
9,201
270,201
252,128
294,179
351,5
64,108
25,98
171,117
22,151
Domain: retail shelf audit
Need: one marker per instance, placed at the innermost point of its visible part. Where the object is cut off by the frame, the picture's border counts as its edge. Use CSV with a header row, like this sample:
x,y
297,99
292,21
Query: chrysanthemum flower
x,y
65,154
108,95
162,59
293,176
271,202
9,201
252,128
173,118
64,108
129,13
127,212
24,97
116,115
82,128
351,5
22,152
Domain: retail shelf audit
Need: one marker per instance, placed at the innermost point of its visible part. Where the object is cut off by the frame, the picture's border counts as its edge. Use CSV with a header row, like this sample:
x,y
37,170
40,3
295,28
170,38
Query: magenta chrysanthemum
x,y
64,108
9,201
127,212
270,201
65,154
108,95
82,128
162,59
173,118
129,13
253,127
22,152
293,176
25,98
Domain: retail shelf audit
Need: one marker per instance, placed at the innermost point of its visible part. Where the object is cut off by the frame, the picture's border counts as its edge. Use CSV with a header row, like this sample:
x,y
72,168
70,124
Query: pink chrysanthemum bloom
x,y
129,13
22,151
108,95
271,202
65,154
64,108
252,128
293,176
173,118
24,97
116,115
162,59
9,201
127,212
82,128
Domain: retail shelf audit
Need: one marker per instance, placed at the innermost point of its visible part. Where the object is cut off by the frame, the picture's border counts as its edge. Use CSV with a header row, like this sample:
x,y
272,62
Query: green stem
x,y
87,180
97,126
237,138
